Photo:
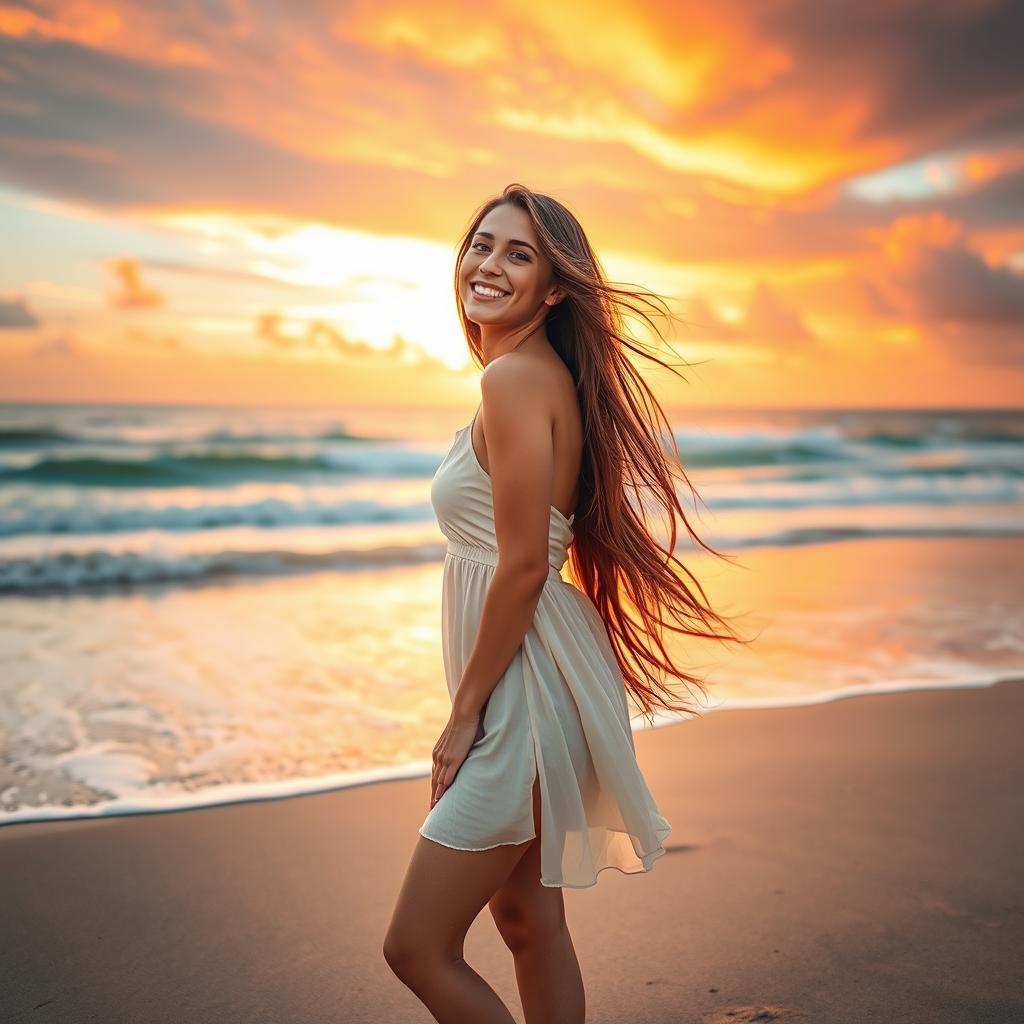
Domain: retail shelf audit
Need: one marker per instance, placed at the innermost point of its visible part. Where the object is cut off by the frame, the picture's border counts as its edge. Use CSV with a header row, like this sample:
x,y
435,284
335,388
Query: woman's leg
x,y
441,895
531,920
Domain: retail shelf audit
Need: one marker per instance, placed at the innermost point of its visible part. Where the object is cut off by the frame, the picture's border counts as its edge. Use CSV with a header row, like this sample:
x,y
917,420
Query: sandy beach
x,y
852,861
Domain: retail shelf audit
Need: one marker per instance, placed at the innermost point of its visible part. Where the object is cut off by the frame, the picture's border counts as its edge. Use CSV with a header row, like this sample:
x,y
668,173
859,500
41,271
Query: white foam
x,y
166,799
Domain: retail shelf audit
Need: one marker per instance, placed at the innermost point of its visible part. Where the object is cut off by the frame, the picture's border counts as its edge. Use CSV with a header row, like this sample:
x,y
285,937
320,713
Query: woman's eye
x,y
515,252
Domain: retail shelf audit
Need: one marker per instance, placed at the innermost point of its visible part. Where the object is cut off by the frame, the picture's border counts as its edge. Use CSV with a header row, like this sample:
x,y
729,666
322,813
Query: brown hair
x,y
612,551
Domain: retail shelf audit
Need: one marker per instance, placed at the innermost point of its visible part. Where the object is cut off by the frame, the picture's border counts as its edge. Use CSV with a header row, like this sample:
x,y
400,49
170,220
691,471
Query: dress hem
x,y
477,849
654,856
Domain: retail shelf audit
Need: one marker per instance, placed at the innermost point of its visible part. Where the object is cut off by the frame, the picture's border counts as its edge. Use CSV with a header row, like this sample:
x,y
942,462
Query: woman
x,y
535,784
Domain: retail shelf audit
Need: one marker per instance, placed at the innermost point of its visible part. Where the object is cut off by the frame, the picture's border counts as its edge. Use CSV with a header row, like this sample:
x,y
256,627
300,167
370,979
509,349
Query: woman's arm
x,y
517,419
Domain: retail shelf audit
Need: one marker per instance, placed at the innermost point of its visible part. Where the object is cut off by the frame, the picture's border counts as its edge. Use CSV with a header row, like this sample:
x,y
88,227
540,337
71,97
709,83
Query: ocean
x,y
207,604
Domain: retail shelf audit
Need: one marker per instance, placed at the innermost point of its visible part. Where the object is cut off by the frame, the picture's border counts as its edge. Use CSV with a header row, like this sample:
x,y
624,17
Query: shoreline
x,y
287,789
846,861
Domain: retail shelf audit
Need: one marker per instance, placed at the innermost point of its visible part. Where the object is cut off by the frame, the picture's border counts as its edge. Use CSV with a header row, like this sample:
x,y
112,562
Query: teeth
x,y
487,291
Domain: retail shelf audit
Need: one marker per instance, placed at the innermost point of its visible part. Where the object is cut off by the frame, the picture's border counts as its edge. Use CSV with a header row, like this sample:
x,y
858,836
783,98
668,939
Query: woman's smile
x,y
486,293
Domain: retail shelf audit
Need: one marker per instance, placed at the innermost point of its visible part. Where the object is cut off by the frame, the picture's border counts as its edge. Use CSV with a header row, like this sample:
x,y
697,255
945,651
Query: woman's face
x,y
504,253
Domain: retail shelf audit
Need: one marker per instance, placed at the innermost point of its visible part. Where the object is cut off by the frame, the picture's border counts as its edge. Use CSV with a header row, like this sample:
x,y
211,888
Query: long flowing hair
x,y
613,558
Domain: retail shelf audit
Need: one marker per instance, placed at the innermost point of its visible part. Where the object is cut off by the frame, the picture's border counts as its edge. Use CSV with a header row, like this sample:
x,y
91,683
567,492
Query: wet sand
x,y
853,861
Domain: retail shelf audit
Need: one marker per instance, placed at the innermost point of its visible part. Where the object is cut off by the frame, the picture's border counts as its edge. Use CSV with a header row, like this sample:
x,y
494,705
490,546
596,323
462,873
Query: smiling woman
x,y
535,784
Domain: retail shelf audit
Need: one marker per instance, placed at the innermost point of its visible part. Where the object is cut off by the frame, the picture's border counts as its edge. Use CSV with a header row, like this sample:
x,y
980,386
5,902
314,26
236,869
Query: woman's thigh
x,y
443,892
524,910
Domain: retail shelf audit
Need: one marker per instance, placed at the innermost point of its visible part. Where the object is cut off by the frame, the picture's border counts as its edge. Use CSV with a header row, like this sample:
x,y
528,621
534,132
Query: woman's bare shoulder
x,y
517,373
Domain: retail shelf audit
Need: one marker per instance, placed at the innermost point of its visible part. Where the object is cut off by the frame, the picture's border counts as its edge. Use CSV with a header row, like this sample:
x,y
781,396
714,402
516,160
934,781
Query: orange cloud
x,y
133,294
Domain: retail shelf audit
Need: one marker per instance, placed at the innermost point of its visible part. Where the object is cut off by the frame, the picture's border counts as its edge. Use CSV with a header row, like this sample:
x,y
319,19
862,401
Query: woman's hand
x,y
451,750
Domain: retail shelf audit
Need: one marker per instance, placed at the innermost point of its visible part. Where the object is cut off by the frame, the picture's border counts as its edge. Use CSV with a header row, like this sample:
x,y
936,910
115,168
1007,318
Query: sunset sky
x,y
242,201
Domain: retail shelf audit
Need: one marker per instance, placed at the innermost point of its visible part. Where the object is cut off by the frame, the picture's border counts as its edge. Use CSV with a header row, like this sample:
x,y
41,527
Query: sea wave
x,y
71,571
813,445
74,511
97,569
30,517
41,434
212,468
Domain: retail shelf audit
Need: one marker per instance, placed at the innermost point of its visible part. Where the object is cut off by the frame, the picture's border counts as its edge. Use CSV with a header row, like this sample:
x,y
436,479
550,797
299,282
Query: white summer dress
x,y
559,710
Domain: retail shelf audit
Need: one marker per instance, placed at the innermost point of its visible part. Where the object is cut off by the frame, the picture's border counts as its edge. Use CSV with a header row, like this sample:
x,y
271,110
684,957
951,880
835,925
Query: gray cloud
x,y
953,283
943,72
14,313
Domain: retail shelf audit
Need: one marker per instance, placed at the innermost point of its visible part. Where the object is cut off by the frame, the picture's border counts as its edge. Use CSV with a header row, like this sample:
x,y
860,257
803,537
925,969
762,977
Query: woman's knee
x,y
410,958
528,924
399,954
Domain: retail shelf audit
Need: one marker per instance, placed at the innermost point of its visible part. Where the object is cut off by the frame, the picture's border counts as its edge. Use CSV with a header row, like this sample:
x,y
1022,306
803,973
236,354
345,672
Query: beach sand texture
x,y
852,861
